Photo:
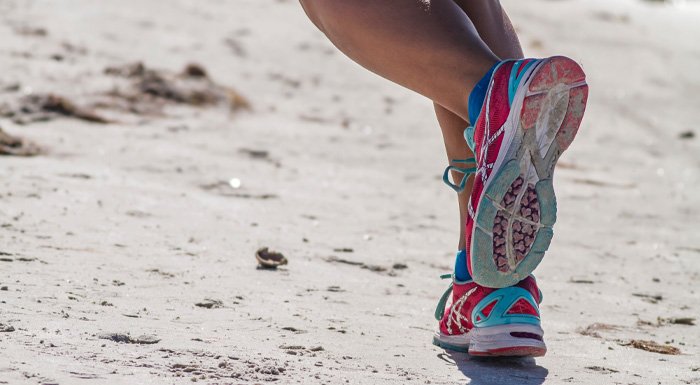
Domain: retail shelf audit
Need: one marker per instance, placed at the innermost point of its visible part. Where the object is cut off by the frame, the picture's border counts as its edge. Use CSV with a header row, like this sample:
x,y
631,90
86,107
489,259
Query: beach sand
x,y
127,248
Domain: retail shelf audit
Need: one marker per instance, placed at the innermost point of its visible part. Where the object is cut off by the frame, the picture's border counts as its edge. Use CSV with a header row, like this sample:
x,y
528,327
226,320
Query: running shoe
x,y
531,112
483,321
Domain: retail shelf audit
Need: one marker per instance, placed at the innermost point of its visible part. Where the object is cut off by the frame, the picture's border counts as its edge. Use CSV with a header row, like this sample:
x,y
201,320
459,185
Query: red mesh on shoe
x,y
530,285
498,110
476,294
522,307
487,310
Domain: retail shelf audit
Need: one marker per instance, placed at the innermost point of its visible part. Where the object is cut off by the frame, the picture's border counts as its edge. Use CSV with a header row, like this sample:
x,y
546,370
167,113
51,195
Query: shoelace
x,y
456,311
442,303
467,171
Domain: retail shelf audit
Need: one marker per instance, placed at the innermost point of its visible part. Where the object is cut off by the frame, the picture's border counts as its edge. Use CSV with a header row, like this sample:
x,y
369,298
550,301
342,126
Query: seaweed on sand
x,y
11,145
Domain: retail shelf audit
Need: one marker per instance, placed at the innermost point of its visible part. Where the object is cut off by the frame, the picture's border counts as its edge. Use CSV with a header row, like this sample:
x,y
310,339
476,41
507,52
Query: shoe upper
x,y
478,306
486,135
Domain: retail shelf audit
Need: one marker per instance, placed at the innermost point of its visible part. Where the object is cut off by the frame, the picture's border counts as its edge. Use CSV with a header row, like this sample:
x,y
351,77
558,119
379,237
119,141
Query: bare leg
x,y
429,46
456,147
493,26
442,59
495,29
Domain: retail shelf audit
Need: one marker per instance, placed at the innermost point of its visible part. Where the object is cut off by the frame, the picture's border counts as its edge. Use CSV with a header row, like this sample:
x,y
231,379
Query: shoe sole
x,y
517,210
458,343
513,340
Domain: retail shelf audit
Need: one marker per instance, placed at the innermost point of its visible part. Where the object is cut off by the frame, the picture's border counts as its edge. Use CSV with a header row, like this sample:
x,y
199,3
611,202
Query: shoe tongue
x,y
476,97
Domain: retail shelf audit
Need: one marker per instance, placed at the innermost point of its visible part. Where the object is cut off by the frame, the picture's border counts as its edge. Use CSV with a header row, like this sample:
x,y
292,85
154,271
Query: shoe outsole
x,y
513,351
518,208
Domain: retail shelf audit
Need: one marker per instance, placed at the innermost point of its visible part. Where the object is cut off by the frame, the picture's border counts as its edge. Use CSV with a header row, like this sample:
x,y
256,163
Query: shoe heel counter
x,y
506,306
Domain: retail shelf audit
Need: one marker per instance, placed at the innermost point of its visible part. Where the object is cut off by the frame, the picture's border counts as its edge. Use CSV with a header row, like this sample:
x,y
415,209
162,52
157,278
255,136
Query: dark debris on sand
x,y
651,346
139,90
125,338
594,329
209,303
373,268
270,259
148,90
44,107
688,321
6,328
217,369
687,134
11,145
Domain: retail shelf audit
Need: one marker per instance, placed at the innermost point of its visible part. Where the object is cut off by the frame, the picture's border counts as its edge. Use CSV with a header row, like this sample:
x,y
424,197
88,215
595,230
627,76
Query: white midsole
x,y
455,340
494,337
499,337
496,332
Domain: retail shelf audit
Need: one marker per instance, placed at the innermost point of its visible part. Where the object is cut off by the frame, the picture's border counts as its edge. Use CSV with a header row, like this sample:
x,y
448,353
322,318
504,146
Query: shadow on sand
x,y
497,371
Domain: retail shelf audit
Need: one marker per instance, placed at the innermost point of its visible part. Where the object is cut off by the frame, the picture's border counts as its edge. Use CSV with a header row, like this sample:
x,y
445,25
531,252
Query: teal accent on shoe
x,y
506,298
548,202
487,214
481,261
539,247
467,171
469,137
512,80
515,77
500,183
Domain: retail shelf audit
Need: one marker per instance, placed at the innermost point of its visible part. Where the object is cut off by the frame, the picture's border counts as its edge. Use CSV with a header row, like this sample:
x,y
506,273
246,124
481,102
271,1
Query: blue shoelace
x,y
466,171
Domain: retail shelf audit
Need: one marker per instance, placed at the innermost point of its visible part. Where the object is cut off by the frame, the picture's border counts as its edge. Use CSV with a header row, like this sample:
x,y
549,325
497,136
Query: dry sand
x,y
131,230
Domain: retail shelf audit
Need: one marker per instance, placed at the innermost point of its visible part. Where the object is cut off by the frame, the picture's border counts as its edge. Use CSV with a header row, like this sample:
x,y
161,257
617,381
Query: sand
x,y
127,248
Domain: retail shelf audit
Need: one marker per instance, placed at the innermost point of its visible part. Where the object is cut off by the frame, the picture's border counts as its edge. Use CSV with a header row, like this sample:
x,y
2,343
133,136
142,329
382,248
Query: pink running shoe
x,y
491,322
530,115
